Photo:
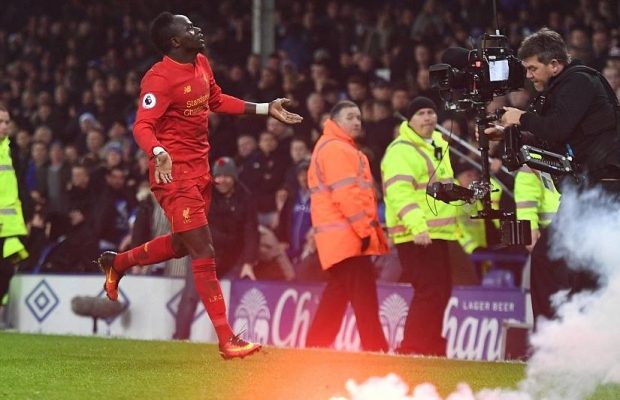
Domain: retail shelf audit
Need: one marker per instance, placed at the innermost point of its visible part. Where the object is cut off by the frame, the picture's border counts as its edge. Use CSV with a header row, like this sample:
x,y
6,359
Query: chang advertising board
x,y
279,314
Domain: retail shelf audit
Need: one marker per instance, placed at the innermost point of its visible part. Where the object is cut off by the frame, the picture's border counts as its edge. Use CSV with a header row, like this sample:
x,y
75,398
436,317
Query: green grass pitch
x,y
76,367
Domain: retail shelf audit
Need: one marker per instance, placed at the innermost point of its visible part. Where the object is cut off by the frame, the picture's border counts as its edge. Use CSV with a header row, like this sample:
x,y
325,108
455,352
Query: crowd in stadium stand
x,y
70,75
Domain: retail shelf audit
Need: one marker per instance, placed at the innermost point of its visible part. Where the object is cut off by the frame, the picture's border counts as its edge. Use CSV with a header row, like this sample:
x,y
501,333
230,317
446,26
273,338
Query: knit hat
x,y
417,104
225,166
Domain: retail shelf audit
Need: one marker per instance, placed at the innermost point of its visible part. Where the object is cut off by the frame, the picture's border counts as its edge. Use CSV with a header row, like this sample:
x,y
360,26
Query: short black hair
x,y
546,45
340,106
162,31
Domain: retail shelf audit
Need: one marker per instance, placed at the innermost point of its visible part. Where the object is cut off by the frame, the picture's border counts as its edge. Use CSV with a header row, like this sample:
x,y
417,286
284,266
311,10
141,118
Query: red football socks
x,y
208,287
157,250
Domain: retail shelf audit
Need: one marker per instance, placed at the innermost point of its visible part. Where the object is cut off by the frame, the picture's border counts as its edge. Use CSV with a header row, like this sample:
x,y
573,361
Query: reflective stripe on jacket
x,y
407,167
536,197
11,217
343,204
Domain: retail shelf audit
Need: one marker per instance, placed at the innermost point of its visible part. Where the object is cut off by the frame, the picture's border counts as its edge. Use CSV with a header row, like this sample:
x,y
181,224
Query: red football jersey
x,y
175,102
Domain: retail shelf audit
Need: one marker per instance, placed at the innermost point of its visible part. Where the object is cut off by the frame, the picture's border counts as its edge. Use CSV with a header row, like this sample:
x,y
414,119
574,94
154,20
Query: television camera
x,y
468,80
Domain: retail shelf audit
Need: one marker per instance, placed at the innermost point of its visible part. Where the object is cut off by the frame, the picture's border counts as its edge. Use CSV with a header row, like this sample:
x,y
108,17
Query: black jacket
x,y
577,110
263,175
234,227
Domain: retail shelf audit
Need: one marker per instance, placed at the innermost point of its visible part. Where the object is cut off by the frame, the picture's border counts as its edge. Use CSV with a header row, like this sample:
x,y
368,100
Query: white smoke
x,y
392,387
579,350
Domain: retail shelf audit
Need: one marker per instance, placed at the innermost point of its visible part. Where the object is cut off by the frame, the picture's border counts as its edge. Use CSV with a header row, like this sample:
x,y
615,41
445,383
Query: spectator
x,y
284,135
23,141
400,99
95,141
112,211
234,222
315,108
381,90
246,147
79,247
380,131
72,155
263,173
357,90
36,173
294,221
43,134
269,85
299,152
54,189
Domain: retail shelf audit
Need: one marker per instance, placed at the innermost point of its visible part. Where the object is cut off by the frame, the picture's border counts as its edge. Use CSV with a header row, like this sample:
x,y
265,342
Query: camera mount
x,y
516,154
513,231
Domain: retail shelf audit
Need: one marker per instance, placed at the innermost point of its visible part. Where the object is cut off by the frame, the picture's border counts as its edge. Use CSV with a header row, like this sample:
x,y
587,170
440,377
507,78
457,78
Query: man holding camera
x,y
576,113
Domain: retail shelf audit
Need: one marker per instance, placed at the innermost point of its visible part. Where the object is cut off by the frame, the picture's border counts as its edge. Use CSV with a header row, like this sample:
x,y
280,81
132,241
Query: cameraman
x,y
575,114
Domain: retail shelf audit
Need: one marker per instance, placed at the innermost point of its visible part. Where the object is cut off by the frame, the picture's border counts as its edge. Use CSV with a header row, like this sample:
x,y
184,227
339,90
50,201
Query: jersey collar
x,y
169,62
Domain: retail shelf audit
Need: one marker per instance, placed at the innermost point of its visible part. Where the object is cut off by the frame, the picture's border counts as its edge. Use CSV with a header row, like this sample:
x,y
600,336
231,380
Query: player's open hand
x,y
277,110
163,168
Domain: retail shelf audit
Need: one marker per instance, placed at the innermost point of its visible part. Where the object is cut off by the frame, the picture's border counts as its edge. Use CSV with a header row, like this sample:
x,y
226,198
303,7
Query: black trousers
x,y
7,270
351,280
550,276
430,275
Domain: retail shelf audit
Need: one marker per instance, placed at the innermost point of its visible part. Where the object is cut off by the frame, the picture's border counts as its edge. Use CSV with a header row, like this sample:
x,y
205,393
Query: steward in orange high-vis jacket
x,y
343,203
343,207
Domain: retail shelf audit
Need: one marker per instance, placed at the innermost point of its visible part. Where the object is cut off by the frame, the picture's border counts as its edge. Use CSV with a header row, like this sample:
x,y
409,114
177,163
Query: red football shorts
x,y
185,202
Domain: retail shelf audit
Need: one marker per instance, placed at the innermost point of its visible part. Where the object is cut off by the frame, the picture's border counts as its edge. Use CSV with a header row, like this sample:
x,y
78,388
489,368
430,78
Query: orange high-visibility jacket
x,y
343,204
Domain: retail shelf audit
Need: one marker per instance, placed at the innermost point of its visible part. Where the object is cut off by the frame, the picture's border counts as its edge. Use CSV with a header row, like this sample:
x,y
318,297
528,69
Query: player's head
x,y
5,120
176,32
347,115
544,55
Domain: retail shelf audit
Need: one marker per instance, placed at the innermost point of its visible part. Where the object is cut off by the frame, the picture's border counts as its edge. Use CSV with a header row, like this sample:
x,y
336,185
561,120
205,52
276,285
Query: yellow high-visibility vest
x,y
410,162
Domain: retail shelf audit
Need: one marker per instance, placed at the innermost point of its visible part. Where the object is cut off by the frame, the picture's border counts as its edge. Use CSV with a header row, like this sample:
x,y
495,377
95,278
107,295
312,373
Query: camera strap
x,y
538,104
